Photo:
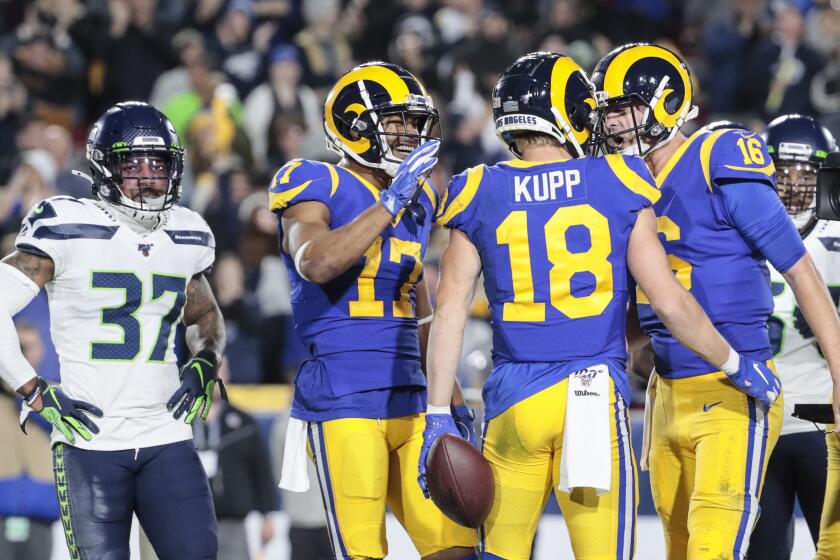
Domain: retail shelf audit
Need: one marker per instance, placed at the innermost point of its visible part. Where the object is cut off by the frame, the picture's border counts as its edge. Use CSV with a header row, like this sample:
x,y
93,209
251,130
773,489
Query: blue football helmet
x,y
799,146
649,79
126,134
548,93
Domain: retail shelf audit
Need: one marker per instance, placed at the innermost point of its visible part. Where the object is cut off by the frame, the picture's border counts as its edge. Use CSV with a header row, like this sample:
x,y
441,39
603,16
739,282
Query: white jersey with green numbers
x,y
803,370
115,301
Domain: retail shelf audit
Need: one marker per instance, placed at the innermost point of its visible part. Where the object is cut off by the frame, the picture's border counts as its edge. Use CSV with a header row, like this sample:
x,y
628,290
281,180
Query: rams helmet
x,y
126,134
358,102
653,78
548,93
799,146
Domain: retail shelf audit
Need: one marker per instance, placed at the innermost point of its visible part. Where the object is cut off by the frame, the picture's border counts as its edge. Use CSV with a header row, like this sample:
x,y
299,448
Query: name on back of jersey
x,y
548,186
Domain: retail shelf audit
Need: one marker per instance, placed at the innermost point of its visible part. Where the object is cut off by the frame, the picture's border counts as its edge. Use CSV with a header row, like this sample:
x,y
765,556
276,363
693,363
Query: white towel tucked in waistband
x,y
586,461
294,476
650,399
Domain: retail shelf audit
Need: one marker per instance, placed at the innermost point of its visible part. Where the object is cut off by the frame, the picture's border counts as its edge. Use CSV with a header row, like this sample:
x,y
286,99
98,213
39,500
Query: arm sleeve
x,y
16,291
758,214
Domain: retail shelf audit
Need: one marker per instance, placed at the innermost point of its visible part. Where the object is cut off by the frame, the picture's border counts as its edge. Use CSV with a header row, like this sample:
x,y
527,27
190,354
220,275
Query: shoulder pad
x,y
633,174
300,180
460,193
188,227
58,209
736,155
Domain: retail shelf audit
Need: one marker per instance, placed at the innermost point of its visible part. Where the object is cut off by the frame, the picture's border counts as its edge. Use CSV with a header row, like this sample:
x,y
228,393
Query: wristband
x,y
730,366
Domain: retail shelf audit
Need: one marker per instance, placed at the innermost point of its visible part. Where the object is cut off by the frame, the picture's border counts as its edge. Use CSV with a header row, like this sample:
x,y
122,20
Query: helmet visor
x,y
796,183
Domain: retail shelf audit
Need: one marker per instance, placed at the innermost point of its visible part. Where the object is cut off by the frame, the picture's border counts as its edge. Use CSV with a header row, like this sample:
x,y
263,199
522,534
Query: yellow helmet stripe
x,y
387,78
562,70
631,179
474,175
617,70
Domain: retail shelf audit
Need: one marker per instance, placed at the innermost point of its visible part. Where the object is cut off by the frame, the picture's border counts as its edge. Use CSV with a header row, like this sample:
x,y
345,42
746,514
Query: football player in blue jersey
x,y
720,220
556,235
353,236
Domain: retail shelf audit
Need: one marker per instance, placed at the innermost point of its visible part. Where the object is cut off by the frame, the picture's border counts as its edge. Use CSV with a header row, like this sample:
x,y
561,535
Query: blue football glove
x,y
436,426
63,413
757,380
198,379
407,179
465,420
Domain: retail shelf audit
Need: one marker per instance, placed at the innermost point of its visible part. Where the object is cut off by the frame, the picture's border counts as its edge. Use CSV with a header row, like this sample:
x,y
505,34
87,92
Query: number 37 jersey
x,y
553,238
115,300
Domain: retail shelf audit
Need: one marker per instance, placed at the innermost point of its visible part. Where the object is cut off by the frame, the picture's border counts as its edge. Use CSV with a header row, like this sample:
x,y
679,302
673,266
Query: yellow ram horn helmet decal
x,y
618,68
385,77
563,69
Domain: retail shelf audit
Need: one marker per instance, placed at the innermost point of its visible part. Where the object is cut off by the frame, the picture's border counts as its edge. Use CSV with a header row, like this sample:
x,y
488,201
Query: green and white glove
x,y
61,411
198,380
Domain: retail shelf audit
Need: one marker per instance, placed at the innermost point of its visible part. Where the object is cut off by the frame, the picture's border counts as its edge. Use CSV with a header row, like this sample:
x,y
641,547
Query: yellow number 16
x,y
513,232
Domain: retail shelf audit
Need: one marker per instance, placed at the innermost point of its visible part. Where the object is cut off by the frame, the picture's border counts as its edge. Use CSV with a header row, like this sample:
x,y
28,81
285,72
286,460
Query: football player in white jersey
x,y
797,467
121,271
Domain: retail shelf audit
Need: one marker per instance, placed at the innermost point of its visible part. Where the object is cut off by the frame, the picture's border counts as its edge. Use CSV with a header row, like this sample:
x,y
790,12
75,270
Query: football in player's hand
x,y
460,481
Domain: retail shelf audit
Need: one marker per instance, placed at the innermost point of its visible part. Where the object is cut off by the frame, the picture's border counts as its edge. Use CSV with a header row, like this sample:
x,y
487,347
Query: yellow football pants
x,y
828,547
364,464
710,444
524,446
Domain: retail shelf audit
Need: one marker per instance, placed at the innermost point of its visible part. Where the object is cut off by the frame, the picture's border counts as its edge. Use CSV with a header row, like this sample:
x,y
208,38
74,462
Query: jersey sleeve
x,y
636,178
46,229
733,156
302,180
459,202
208,255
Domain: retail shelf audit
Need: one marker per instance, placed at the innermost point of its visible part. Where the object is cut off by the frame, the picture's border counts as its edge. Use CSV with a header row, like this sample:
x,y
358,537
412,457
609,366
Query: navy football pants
x,y
797,470
165,485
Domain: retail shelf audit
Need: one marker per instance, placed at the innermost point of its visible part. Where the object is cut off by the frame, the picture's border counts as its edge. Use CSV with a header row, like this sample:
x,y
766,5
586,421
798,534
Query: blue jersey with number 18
x,y
552,237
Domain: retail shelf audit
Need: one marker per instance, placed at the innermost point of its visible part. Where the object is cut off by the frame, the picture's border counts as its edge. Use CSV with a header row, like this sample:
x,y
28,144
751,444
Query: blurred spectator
x,y
231,44
237,463
222,213
32,181
28,502
414,48
728,43
307,519
825,89
563,22
488,53
137,51
326,50
58,141
243,320
777,77
49,64
189,44
13,101
282,96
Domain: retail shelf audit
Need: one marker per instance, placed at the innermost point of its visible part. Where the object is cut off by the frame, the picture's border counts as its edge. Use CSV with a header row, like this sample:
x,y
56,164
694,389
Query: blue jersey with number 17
x,y
552,237
727,276
361,327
